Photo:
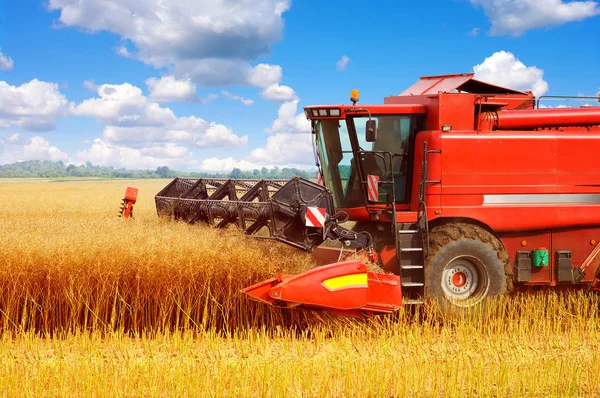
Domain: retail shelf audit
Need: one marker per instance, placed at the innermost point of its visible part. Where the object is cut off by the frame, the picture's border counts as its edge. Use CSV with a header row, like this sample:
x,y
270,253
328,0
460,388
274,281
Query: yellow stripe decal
x,y
342,282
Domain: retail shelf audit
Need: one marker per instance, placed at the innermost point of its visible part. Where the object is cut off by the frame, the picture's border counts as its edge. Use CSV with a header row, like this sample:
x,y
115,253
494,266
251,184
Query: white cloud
x,y
32,106
277,92
473,32
504,69
542,106
135,121
282,150
168,88
208,98
264,75
342,64
186,130
123,52
514,17
169,150
233,97
294,150
36,148
288,121
220,137
227,164
140,136
124,105
105,154
212,40
6,62
14,139
90,85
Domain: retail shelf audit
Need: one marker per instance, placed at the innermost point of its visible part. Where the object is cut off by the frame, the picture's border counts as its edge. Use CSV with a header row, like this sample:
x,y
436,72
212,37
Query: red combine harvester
x,y
459,189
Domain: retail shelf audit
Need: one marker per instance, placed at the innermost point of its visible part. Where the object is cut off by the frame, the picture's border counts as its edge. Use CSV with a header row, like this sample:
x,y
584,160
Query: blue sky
x,y
216,84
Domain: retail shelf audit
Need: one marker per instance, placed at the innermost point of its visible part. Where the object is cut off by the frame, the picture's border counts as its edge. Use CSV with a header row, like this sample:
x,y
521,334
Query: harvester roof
x,y
464,82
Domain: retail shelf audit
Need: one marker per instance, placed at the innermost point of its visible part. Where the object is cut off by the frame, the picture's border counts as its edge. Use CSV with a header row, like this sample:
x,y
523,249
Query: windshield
x,y
341,173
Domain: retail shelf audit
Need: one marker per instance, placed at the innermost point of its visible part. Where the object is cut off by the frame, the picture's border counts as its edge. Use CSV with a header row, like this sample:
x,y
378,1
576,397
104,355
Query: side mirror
x,y
371,131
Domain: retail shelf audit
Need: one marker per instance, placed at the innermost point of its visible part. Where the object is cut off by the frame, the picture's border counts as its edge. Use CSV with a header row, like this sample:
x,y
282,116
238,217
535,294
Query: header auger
x,y
460,190
267,209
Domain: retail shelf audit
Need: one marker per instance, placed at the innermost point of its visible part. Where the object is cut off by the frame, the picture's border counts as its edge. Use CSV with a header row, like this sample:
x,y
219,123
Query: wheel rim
x,y
465,281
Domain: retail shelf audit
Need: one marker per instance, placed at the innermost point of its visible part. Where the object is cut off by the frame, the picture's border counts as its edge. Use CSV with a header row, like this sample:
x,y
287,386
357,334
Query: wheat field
x,y
91,305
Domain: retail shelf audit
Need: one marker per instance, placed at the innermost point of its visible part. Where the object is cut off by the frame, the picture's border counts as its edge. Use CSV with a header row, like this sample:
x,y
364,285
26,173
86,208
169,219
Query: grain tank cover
x,y
464,82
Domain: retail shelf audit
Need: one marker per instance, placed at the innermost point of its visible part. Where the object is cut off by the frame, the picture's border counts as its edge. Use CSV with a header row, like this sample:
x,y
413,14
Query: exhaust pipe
x,y
540,118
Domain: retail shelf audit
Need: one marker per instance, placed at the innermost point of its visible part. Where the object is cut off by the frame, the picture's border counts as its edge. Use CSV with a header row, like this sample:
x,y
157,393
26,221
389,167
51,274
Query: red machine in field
x,y
126,210
459,189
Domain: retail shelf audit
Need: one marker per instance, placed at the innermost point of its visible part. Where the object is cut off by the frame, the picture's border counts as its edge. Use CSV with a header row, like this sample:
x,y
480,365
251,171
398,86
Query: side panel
x,y
579,241
514,242
522,181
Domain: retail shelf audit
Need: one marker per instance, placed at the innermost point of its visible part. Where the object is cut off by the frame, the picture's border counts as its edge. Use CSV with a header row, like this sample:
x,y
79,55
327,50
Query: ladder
x,y
411,261
412,243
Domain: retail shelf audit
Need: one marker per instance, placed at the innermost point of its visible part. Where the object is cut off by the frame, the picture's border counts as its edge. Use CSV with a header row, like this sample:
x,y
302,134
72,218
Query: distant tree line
x,y
48,169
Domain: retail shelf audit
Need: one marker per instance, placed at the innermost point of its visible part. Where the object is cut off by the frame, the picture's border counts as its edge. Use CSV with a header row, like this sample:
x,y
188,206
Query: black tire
x,y
465,265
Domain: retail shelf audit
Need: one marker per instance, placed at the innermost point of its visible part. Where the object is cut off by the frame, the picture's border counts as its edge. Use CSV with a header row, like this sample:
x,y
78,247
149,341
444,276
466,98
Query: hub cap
x,y
465,280
459,279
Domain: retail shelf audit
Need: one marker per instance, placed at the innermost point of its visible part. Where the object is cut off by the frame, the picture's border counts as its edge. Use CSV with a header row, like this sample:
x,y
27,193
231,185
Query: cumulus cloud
x,y
168,89
36,148
33,106
286,149
124,105
283,150
233,97
342,64
277,92
106,154
208,98
542,106
220,137
288,121
264,75
140,133
227,164
6,62
90,85
514,17
213,41
14,139
504,69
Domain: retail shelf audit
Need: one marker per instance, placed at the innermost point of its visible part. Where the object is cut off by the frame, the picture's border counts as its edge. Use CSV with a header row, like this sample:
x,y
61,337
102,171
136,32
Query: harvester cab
x,y
381,169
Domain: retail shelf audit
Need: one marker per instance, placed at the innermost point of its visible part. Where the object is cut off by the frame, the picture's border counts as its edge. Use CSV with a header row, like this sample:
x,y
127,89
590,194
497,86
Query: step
x,y
408,231
411,249
411,267
412,302
412,284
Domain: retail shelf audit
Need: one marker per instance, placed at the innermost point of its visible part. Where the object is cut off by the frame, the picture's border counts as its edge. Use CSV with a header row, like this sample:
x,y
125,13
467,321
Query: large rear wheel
x,y
465,265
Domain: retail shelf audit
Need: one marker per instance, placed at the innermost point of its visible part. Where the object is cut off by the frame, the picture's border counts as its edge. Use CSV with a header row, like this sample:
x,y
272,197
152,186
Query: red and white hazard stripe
x,y
373,185
319,178
315,217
